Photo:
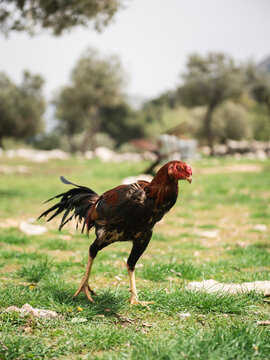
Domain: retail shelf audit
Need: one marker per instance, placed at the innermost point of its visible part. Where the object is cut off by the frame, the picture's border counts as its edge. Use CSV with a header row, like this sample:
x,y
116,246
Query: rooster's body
x,y
125,213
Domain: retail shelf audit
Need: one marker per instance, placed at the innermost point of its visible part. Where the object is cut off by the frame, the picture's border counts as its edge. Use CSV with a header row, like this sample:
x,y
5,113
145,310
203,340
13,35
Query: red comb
x,y
188,169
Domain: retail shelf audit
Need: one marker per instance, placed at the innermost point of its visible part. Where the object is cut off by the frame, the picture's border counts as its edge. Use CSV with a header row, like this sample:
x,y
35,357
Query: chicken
x,y
124,213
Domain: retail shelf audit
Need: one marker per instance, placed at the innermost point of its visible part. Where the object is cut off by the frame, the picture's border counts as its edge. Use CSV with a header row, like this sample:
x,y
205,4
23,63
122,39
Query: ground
x,y
219,229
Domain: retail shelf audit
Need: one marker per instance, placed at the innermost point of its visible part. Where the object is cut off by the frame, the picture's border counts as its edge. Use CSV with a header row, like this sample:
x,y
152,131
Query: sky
x,y
152,38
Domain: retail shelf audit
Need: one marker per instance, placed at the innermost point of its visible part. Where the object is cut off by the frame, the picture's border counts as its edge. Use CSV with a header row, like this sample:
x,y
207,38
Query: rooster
x,y
124,213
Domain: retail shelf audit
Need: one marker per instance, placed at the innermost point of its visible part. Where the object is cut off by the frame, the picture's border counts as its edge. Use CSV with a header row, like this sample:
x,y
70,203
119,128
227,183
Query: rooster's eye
x,y
179,168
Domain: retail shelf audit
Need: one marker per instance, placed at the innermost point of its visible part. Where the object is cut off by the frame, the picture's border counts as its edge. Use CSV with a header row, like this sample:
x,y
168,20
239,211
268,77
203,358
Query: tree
x,y
209,81
57,15
260,88
21,106
96,83
122,123
260,122
161,118
231,121
258,79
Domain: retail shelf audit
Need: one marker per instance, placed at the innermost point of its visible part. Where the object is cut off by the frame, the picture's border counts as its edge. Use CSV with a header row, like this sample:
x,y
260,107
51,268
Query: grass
x,y
13,236
35,272
45,271
161,272
238,342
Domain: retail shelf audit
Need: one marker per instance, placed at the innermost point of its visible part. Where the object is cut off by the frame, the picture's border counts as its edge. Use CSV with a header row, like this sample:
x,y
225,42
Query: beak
x,y
189,179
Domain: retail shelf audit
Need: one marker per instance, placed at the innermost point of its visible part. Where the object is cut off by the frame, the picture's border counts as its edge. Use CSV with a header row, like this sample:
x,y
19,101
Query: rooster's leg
x,y
137,250
134,300
84,286
134,295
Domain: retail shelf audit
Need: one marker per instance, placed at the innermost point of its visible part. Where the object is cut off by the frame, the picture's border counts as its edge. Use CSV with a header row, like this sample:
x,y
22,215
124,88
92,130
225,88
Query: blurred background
x,y
159,79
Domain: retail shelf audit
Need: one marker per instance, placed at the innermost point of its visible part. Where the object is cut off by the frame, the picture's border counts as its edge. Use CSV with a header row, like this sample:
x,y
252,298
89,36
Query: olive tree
x,y
56,15
96,83
21,107
209,81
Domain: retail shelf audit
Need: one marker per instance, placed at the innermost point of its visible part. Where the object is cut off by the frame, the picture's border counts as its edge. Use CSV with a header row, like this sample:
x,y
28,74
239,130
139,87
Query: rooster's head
x,y
179,170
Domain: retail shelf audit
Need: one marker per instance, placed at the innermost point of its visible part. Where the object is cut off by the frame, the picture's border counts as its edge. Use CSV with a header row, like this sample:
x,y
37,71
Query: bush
x,y
231,121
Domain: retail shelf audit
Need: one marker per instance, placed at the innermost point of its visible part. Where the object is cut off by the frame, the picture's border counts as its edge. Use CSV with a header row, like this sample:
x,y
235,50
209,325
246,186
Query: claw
x,y
134,301
85,288
91,290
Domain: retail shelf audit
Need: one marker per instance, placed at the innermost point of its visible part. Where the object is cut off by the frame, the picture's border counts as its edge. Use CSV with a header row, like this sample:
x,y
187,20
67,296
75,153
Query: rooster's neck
x,y
163,178
163,187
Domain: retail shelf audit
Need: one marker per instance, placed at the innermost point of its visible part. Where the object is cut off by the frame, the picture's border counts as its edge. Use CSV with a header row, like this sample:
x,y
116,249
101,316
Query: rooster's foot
x,y
85,288
135,301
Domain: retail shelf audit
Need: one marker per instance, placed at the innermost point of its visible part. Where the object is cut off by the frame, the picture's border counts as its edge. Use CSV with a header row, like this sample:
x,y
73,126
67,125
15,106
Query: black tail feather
x,y
75,202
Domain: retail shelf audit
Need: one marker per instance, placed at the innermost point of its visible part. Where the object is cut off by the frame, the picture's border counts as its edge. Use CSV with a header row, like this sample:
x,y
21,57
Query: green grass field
x,y
227,198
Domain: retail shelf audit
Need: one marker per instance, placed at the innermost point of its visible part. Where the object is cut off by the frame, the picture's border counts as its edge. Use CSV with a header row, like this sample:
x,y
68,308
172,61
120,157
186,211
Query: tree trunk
x,y
208,127
72,145
88,138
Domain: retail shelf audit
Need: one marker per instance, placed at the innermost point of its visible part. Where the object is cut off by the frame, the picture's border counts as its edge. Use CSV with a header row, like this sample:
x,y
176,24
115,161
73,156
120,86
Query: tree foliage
x,y
160,117
96,84
122,123
21,106
231,121
261,89
258,81
56,15
209,81
261,122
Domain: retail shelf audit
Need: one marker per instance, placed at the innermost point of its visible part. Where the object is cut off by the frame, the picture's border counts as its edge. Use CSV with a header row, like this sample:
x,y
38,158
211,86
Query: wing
x,y
119,204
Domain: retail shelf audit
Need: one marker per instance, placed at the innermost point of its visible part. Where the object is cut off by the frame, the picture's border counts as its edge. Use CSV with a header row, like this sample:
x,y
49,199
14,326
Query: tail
x,y
75,203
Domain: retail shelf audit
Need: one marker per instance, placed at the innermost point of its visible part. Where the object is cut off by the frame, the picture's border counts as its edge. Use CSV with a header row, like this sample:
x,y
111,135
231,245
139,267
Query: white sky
x,y
152,38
